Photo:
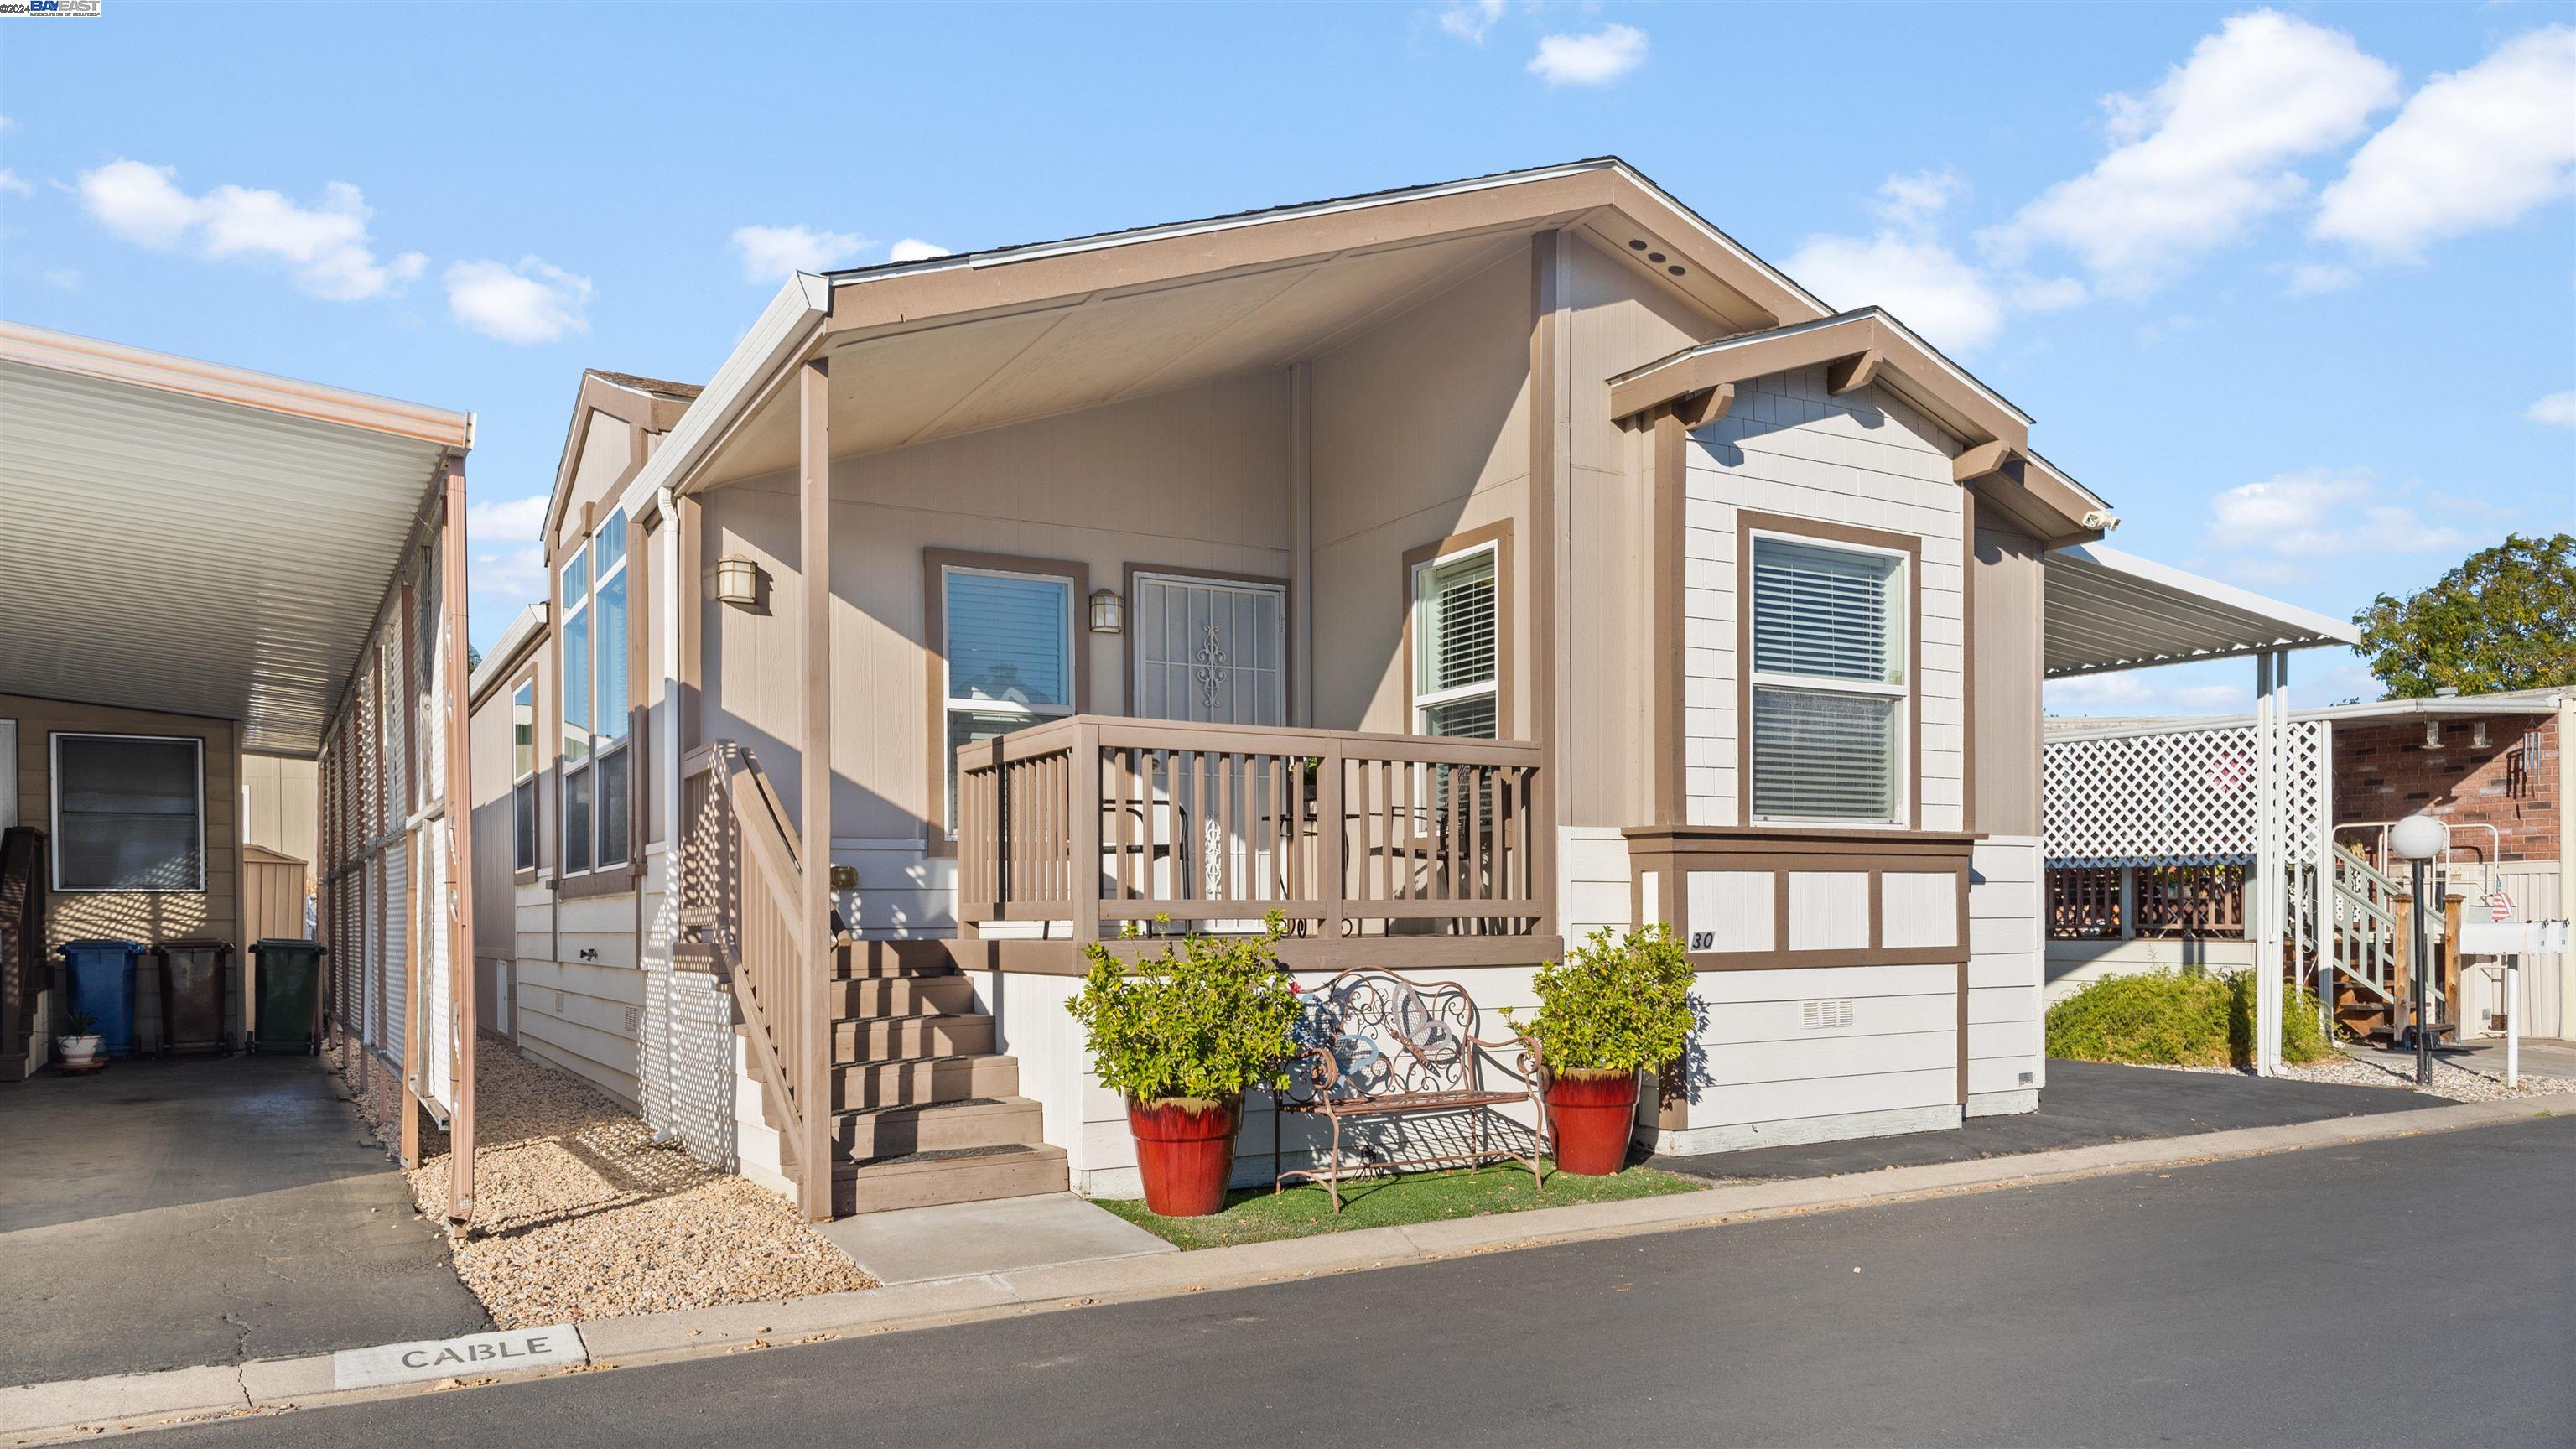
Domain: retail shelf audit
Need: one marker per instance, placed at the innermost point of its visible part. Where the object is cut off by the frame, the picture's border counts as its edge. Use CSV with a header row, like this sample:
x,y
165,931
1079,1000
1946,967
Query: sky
x,y
2294,288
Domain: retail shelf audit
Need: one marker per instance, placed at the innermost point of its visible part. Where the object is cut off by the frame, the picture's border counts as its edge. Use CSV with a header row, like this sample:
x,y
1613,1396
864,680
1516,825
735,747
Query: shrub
x,y
2189,1019
1613,1005
1204,1021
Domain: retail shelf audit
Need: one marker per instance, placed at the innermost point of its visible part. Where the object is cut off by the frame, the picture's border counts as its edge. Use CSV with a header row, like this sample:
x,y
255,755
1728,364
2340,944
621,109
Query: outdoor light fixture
x,y
737,581
2417,839
1108,612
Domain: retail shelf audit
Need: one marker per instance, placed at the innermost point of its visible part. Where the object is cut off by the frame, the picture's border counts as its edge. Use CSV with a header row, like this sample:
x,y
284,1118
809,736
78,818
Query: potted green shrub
x,y
1610,1009
79,1041
1180,1037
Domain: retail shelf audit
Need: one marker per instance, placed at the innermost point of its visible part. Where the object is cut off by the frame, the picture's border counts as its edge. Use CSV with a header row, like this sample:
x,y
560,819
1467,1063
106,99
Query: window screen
x,y
1829,682
128,813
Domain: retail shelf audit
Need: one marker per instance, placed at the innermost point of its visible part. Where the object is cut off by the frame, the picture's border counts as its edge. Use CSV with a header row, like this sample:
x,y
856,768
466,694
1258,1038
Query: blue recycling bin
x,y
102,978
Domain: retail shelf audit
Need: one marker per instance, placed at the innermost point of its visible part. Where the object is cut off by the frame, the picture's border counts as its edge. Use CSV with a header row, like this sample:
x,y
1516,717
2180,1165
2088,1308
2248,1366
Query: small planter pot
x,y
80,1052
1185,1152
1591,1115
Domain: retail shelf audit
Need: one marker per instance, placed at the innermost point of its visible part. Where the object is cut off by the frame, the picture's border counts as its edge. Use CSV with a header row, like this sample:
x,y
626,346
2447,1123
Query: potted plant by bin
x,y
1181,1036
79,1041
1610,1009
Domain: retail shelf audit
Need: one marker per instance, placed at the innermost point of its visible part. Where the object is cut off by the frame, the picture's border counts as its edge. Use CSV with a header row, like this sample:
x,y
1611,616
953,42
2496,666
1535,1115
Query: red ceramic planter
x,y
1185,1151
1591,1116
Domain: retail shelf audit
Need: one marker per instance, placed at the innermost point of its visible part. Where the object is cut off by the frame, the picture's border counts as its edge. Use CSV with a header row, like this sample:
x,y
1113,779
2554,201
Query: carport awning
x,y
2108,610
195,539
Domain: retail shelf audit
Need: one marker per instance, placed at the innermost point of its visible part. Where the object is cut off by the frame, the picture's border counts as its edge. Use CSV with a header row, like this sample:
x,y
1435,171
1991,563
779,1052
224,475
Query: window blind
x,y
1829,613
127,814
1459,602
1823,756
1007,639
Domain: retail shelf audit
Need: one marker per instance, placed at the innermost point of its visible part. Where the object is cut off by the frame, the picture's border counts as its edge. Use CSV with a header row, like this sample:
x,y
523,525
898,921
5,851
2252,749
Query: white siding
x,y
1762,1075
1864,459
2006,1061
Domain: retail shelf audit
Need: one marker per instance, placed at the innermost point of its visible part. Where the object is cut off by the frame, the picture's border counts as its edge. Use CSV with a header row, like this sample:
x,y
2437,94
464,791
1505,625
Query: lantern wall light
x,y
1108,612
737,581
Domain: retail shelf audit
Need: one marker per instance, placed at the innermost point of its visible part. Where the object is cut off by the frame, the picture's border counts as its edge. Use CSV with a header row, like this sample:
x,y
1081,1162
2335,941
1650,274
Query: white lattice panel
x,y
2171,797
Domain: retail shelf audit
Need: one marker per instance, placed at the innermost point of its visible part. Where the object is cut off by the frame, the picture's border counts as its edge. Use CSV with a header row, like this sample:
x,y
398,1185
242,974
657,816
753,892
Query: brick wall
x,y
2385,772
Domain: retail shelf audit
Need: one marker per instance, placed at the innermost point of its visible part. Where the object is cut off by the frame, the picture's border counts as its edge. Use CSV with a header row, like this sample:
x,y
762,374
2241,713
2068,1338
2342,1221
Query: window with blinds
x,y
1829,686
129,813
1008,646
1457,648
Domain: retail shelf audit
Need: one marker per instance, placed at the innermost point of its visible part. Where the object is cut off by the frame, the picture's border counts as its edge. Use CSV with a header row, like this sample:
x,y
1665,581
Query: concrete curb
x,y
39,1413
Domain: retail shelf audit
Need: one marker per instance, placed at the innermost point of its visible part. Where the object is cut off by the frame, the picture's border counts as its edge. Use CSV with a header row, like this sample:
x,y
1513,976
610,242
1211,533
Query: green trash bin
x,y
290,996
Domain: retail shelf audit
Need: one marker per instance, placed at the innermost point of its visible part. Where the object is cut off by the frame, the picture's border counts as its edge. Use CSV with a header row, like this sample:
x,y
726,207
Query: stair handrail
x,y
22,937
741,896
2367,935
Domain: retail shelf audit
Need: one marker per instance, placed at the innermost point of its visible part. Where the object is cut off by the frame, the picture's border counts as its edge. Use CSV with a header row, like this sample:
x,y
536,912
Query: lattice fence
x,y
2172,797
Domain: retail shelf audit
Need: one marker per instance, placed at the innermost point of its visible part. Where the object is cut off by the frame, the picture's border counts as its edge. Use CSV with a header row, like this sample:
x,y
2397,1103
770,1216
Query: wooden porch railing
x,y
1098,821
741,901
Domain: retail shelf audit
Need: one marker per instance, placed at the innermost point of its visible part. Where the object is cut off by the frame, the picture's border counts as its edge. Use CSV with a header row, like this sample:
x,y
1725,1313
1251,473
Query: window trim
x,y
1497,536
54,789
599,877
936,838
536,775
1908,815
1132,683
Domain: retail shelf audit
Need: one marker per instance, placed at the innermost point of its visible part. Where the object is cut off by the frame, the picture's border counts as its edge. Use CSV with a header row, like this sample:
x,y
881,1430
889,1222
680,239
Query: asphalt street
x,y
2413,1291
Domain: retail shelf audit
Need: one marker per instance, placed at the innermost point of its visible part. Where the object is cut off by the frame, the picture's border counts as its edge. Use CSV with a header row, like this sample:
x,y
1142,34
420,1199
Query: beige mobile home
x,y
1453,570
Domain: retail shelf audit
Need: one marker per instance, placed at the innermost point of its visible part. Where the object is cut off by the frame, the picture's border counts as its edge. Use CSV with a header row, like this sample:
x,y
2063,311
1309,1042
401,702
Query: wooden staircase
x,y
924,1111
2373,936
921,1110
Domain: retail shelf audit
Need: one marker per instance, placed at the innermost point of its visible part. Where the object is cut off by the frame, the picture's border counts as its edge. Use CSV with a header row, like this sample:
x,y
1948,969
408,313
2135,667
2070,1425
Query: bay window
x,y
1007,656
1829,691
596,781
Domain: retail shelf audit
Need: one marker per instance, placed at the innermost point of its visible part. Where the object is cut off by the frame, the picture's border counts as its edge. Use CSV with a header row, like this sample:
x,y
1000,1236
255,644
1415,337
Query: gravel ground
x,y
578,1215
2451,1081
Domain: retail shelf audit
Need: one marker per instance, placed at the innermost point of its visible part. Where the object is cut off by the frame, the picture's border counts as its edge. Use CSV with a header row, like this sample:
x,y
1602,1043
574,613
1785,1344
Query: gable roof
x,y
651,403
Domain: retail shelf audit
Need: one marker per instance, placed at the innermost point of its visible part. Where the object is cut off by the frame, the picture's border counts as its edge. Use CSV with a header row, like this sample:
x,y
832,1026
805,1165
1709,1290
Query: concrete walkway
x,y
192,1211
2085,1104
1007,1235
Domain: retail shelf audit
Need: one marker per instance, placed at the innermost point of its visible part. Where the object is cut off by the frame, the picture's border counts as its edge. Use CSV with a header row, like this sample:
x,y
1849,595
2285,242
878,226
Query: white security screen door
x,y
1210,650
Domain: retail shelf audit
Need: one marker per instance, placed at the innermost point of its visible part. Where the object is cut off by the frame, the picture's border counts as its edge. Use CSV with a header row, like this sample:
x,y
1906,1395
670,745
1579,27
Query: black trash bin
x,y
290,996
193,988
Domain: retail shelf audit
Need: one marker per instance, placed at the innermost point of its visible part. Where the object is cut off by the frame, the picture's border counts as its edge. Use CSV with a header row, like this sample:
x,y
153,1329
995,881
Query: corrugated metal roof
x,y
2107,610
187,552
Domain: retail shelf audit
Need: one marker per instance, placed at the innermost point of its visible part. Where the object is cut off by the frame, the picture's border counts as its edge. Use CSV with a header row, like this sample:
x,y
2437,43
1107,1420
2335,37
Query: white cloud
x,y
1470,19
531,302
2209,150
1589,60
324,247
12,181
2558,410
2474,149
508,560
2311,278
1913,201
1916,277
773,253
2320,514
914,249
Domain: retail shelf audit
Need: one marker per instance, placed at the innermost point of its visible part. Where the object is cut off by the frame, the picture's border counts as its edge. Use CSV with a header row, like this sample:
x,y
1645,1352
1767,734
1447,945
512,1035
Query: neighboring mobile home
x,y
1453,570
209,580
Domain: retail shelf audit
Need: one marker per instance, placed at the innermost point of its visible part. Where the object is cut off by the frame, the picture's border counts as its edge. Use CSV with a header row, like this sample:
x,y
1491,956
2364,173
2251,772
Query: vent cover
x,y
1828,1015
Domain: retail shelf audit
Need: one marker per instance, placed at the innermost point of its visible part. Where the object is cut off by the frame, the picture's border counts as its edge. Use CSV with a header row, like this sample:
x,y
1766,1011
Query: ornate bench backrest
x,y
1386,1035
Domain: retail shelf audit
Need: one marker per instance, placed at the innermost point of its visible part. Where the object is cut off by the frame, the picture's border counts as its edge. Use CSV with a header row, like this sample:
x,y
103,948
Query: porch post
x,y
2264,896
814,772
460,856
2327,912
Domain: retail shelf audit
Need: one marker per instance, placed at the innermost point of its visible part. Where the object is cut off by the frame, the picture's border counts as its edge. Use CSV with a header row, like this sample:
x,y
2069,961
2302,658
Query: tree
x,y
2504,619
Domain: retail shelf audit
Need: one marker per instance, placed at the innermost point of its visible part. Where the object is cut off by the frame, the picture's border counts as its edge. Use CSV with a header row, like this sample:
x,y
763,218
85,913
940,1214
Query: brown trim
x,y
1499,534
1288,656
1551,465
528,675
1671,853
1911,545
1063,957
639,734
1968,566
1669,722
2040,501
934,649
812,958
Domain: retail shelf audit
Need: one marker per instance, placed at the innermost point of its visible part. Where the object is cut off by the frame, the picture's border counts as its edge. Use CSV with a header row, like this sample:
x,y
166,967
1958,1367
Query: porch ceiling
x,y
195,539
962,375
2105,610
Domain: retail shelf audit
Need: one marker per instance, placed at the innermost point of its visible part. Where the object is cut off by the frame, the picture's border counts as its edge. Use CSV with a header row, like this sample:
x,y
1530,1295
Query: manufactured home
x,y
1452,571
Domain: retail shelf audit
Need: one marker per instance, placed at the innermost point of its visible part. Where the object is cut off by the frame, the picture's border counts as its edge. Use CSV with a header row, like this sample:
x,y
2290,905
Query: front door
x,y
1210,650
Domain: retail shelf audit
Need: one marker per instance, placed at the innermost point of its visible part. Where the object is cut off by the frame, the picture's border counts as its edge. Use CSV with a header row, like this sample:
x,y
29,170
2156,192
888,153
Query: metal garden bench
x,y
1378,1045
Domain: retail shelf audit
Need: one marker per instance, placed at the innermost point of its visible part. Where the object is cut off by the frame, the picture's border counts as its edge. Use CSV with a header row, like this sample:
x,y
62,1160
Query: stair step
x,y
969,1175
920,1081
904,995
939,1127
862,960
888,1038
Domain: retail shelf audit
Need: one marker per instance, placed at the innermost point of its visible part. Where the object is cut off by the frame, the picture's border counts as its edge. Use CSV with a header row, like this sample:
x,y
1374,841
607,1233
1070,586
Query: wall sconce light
x,y
2433,734
737,581
1108,612
2478,735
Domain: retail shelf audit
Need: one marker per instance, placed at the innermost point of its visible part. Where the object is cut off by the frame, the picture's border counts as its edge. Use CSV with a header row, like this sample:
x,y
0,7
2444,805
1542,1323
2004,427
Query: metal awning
x,y
196,539
2108,610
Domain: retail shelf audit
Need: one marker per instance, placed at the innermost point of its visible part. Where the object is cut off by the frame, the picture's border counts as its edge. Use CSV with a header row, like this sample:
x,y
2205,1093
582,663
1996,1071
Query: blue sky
x,y
2294,288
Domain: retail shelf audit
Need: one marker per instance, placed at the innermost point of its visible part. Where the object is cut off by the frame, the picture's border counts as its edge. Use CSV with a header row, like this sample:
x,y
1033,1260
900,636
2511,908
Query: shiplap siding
x,y
2006,968
1865,459
1761,1075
